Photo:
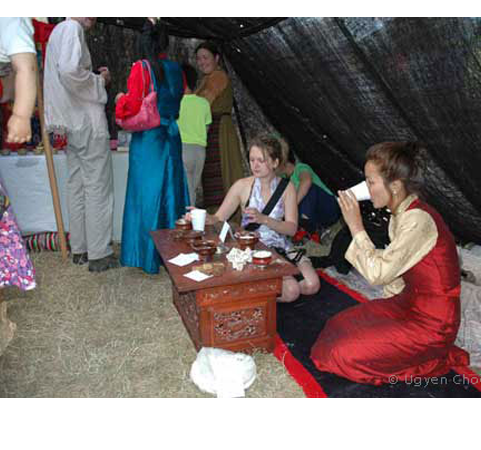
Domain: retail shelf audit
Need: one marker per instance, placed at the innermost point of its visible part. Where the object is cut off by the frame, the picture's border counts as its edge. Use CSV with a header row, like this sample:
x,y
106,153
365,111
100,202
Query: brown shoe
x,y
103,264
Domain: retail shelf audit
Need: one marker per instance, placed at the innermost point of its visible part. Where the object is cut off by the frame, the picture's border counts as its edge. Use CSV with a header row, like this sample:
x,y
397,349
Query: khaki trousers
x,y
90,193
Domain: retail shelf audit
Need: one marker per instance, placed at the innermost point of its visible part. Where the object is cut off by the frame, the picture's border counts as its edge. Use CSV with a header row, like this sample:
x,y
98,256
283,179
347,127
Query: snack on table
x,y
214,268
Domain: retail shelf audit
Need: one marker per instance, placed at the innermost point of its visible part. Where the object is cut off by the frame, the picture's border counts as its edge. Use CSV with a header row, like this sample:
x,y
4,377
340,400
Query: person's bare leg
x,y
311,283
290,290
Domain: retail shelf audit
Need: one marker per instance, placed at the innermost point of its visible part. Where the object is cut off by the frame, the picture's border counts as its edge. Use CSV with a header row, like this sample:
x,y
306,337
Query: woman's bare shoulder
x,y
242,183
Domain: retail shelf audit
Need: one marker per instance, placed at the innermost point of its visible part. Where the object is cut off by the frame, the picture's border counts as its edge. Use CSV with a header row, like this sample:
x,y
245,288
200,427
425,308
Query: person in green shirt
x,y
318,207
194,120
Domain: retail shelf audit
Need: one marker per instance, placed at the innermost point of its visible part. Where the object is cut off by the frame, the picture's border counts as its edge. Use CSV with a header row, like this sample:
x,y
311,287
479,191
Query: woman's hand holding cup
x,y
350,211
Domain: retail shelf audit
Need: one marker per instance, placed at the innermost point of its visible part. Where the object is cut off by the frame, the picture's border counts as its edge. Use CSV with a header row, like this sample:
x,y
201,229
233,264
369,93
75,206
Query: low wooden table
x,y
236,310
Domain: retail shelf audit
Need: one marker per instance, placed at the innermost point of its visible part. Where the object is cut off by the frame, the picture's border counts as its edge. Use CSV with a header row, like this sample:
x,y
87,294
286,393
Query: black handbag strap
x,y
281,187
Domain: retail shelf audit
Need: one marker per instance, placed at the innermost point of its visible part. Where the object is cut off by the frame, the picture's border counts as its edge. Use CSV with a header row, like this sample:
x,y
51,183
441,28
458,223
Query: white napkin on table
x,y
196,275
182,259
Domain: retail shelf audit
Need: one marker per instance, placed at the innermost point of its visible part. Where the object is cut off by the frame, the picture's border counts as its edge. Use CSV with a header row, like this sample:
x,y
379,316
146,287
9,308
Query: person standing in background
x,y
157,191
223,162
75,99
194,120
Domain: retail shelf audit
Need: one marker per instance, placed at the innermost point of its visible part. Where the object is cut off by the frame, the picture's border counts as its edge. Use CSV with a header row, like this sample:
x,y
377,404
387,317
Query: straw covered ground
x,y
113,334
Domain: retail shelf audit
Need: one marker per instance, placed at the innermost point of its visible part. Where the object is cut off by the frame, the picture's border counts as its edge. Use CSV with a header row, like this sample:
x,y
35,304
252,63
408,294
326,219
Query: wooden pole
x,y
51,172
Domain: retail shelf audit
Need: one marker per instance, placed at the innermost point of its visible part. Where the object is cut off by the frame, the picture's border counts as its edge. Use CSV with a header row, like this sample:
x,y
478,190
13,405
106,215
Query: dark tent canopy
x,y
335,86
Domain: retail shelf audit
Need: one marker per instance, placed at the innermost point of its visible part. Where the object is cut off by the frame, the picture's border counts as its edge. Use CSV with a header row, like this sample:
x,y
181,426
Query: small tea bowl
x,y
247,239
205,249
183,224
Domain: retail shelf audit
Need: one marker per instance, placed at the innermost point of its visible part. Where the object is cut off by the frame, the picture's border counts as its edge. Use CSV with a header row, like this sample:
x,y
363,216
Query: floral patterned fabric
x,y
16,268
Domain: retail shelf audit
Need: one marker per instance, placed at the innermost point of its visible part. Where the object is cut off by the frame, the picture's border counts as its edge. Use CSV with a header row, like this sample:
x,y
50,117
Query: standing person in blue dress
x,y
157,191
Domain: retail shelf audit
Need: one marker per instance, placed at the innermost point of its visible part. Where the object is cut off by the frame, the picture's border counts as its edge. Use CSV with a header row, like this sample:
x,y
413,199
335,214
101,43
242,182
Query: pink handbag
x,y
148,117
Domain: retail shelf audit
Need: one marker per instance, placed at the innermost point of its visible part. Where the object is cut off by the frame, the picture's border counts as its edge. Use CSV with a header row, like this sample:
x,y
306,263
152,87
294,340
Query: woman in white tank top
x,y
265,156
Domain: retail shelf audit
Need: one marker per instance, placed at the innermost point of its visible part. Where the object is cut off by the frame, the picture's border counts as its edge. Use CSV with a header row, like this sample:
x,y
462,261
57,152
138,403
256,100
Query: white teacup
x,y
360,191
198,219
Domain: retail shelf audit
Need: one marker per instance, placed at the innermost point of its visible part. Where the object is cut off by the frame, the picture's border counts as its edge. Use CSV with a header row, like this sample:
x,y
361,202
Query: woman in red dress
x,y
412,331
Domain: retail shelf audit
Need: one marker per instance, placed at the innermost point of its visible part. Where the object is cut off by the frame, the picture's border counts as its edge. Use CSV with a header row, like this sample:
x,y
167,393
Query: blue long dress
x,y
157,191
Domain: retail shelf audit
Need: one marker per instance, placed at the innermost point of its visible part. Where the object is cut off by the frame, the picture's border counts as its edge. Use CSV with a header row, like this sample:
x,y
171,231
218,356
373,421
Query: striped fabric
x,y
212,183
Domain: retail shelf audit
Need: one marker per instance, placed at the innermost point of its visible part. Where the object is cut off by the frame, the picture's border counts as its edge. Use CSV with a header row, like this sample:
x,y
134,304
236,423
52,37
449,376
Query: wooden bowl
x,y
247,239
262,258
205,249
192,236
182,224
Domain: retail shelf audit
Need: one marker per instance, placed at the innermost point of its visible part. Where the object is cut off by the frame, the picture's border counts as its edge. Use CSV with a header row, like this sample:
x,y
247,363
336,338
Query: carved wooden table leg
x,y
7,327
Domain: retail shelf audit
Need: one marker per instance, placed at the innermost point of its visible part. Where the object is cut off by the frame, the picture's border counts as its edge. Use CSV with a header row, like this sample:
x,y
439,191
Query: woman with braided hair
x,y
410,332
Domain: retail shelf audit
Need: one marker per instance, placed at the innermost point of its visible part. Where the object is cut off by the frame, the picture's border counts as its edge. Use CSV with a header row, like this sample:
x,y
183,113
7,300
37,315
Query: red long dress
x,y
408,335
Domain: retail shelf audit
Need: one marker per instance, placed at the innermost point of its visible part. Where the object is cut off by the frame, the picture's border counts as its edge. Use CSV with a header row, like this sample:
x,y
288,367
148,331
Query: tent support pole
x,y
51,171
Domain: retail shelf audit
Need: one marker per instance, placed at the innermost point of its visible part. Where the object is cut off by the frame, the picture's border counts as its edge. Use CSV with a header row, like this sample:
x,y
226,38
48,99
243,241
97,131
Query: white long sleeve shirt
x,y
75,97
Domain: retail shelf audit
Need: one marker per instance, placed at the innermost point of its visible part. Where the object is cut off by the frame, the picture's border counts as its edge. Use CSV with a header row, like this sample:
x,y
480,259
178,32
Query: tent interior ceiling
x,y
335,86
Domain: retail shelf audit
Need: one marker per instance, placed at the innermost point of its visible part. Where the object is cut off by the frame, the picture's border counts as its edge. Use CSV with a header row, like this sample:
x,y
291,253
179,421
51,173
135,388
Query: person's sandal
x,y
102,264
80,258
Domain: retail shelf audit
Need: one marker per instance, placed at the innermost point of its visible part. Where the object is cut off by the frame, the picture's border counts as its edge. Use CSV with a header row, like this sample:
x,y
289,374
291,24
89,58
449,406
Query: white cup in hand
x,y
198,219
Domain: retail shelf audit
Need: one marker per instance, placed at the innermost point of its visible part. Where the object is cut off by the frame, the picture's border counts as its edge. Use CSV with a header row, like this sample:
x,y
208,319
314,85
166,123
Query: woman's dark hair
x,y
152,41
269,145
399,161
190,76
210,46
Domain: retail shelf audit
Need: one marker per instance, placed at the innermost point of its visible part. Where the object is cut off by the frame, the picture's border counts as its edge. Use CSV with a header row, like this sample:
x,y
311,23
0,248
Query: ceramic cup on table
x,y
262,258
247,239
182,224
205,249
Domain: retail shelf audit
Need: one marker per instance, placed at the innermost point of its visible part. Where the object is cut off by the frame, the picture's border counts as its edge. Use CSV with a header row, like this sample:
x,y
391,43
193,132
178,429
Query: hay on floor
x,y
113,334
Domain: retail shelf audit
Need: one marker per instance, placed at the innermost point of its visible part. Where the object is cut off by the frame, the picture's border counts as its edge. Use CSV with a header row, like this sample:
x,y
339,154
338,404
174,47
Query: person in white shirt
x,y
75,99
17,52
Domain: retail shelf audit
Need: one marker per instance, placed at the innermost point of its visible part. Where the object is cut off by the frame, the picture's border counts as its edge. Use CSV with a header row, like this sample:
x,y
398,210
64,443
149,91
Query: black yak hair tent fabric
x,y
335,86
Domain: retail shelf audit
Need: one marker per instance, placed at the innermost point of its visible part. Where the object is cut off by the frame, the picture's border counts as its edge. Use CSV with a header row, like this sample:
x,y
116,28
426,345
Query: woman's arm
x,y
231,202
414,237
